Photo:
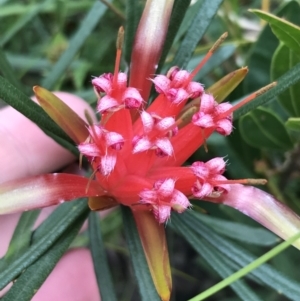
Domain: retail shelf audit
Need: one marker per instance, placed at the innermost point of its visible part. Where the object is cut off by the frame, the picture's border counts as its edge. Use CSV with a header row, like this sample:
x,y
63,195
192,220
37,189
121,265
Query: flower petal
x,y
148,44
46,190
153,239
62,114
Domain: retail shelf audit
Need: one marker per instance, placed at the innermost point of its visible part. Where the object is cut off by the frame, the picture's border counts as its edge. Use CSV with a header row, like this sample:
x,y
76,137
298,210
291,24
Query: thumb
x,y
26,150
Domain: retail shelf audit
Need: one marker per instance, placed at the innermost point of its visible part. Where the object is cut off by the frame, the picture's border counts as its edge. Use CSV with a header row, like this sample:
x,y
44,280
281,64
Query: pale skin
x,y
25,151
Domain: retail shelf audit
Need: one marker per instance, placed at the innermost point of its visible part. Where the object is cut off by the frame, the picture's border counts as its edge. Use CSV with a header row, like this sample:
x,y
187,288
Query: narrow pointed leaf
x,y
255,235
223,87
62,114
247,269
286,32
261,128
141,270
264,274
7,70
63,142
196,31
193,9
134,10
22,235
104,279
45,190
285,81
177,16
283,59
34,276
215,259
44,237
153,237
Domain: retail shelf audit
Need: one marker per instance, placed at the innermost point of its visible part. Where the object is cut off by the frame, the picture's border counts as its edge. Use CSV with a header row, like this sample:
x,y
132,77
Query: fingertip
x,y
26,150
73,278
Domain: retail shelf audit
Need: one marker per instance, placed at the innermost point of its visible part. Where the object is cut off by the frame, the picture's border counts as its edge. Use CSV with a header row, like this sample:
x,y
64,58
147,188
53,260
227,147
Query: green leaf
x,y
284,59
214,259
140,267
261,128
293,124
284,82
255,235
264,274
286,32
133,14
87,26
188,18
101,267
7,70
21,238
196,31
44,237
34,276
178,13
261,53
250,267
223,87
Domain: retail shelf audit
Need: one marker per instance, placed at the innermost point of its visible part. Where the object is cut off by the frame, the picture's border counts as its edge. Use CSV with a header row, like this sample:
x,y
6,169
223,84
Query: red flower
x,y
136,151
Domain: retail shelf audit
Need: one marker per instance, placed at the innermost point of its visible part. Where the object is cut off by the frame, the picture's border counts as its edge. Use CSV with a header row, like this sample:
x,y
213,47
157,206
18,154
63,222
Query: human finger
x,y
26,150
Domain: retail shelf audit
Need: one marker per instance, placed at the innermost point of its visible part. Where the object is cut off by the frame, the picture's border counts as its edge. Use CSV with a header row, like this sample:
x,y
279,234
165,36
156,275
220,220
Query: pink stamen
x,y
248,99
119,44
209,54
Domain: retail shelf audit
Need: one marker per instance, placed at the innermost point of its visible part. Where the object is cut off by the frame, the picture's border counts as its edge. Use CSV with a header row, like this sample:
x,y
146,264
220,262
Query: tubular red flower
x,y
152,144
136,161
